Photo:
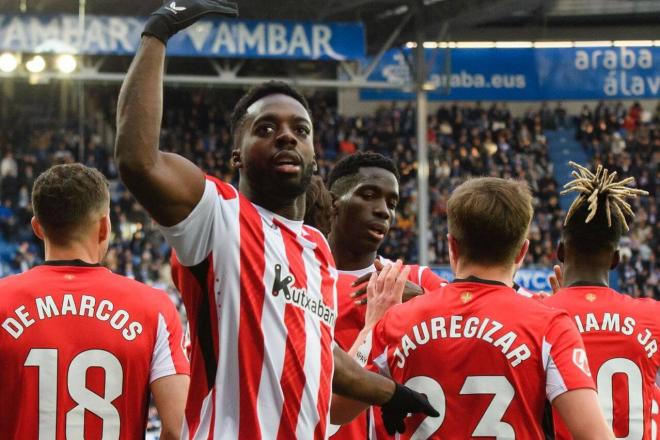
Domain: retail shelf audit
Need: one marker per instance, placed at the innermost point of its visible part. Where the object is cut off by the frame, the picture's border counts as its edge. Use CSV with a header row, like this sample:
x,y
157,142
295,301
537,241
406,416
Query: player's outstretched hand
x,y
410,289
403,402
176,15
384,290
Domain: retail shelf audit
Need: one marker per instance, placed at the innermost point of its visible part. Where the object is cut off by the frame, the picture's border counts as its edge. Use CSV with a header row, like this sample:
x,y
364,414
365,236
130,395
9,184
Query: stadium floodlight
x,y
633,43
475,44
430,45
513,44
593,44
36,64
66,63
8,62
552,44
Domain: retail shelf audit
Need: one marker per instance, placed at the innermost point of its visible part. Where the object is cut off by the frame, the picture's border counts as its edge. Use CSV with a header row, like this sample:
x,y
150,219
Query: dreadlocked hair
x,y
597,217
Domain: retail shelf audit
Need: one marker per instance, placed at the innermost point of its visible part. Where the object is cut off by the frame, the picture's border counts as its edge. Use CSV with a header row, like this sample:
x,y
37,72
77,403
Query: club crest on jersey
x,y
580,360
590,297
466,297
298,297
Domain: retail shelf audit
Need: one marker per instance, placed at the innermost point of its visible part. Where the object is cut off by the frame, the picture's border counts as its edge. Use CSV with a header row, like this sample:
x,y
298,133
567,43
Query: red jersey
x,y
655,414
621,336
79,347
486,357
350,322
260,294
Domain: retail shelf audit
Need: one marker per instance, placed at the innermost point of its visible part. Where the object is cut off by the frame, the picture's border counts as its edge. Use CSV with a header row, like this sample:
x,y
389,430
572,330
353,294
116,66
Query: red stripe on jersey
x,y
327,290
225,191
325,259
197,286
293,373
250,335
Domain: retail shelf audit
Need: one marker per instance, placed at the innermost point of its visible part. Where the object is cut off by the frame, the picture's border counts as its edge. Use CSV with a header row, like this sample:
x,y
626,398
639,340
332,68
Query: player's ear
x,y
236,158
522,252
104,228
36,227
615,260
315,165
453,250
560,251
334,210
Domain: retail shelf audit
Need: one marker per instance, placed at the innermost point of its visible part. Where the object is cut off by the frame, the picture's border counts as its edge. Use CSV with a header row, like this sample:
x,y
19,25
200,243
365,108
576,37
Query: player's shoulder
x,y
224,189
10,281
140,293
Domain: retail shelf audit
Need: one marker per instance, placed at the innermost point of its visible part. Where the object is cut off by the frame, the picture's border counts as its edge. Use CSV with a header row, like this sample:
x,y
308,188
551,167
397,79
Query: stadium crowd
x,y
464,140
628,141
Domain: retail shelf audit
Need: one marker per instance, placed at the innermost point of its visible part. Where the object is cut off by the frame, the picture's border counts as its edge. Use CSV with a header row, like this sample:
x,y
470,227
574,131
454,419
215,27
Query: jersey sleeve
x,y
192,238
428,279
169,355
564,358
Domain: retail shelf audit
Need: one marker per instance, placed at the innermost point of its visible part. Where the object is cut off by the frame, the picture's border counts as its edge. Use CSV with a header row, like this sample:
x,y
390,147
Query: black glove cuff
x,y
396,401
156,26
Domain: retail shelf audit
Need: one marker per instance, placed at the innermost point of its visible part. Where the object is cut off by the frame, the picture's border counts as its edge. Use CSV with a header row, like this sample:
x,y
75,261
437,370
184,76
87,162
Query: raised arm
x,y
167,185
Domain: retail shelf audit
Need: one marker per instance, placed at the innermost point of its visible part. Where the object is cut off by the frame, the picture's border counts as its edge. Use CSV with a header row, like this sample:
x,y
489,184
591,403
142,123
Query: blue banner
x,y
534,279
525,74
105,35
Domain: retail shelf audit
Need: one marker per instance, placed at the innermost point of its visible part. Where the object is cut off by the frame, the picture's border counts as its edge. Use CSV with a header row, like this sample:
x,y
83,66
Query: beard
x,y
273,185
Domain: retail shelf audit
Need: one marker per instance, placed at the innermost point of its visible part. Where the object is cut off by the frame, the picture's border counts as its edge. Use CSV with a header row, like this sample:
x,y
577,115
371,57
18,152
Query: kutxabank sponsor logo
x,y
299,297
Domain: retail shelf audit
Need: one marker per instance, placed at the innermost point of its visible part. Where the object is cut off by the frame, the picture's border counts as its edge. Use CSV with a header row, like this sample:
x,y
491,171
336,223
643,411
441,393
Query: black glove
x,y
175,15
404,401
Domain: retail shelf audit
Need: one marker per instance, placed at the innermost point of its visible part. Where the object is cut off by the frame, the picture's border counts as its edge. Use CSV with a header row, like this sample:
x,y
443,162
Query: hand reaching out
x,y
410,289
385,289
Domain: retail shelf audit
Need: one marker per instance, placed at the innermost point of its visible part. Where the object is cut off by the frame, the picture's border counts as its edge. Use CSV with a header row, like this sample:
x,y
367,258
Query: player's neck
x,y
492,273
72,251
289,208
345,259
585,276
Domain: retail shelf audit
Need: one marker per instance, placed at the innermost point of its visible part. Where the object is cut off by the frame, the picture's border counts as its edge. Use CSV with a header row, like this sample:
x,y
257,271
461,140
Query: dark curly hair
x,y
351,164
258,92
318,205
64,196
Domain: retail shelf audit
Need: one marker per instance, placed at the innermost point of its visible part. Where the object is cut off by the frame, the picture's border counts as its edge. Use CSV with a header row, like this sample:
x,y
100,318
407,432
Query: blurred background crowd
x,y
464,140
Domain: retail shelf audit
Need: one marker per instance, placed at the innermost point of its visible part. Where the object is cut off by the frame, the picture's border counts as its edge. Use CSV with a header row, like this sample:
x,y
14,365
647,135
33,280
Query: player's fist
x,y
403,402
175,15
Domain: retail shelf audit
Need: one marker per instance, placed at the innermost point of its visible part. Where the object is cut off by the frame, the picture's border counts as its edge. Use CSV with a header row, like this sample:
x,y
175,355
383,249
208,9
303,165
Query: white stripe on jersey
x,y
228,287
202,432
161,360
269,397
308,416
554,383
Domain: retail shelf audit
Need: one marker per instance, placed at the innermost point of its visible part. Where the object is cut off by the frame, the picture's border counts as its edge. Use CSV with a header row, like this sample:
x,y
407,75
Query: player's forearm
x,y
139,111
351,381
362,336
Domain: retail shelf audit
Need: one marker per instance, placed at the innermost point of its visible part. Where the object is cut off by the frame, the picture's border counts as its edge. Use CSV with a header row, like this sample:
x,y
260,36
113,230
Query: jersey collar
x,y
473,279
76,262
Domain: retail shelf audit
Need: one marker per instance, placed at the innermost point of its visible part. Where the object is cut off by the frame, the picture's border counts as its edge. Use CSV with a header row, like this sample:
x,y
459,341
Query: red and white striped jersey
x,y
486,357
261,299
621,335
350,322
79,347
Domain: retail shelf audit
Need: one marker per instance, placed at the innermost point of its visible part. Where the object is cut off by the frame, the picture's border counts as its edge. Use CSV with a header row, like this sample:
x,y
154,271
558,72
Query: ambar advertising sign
x,y
108,35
